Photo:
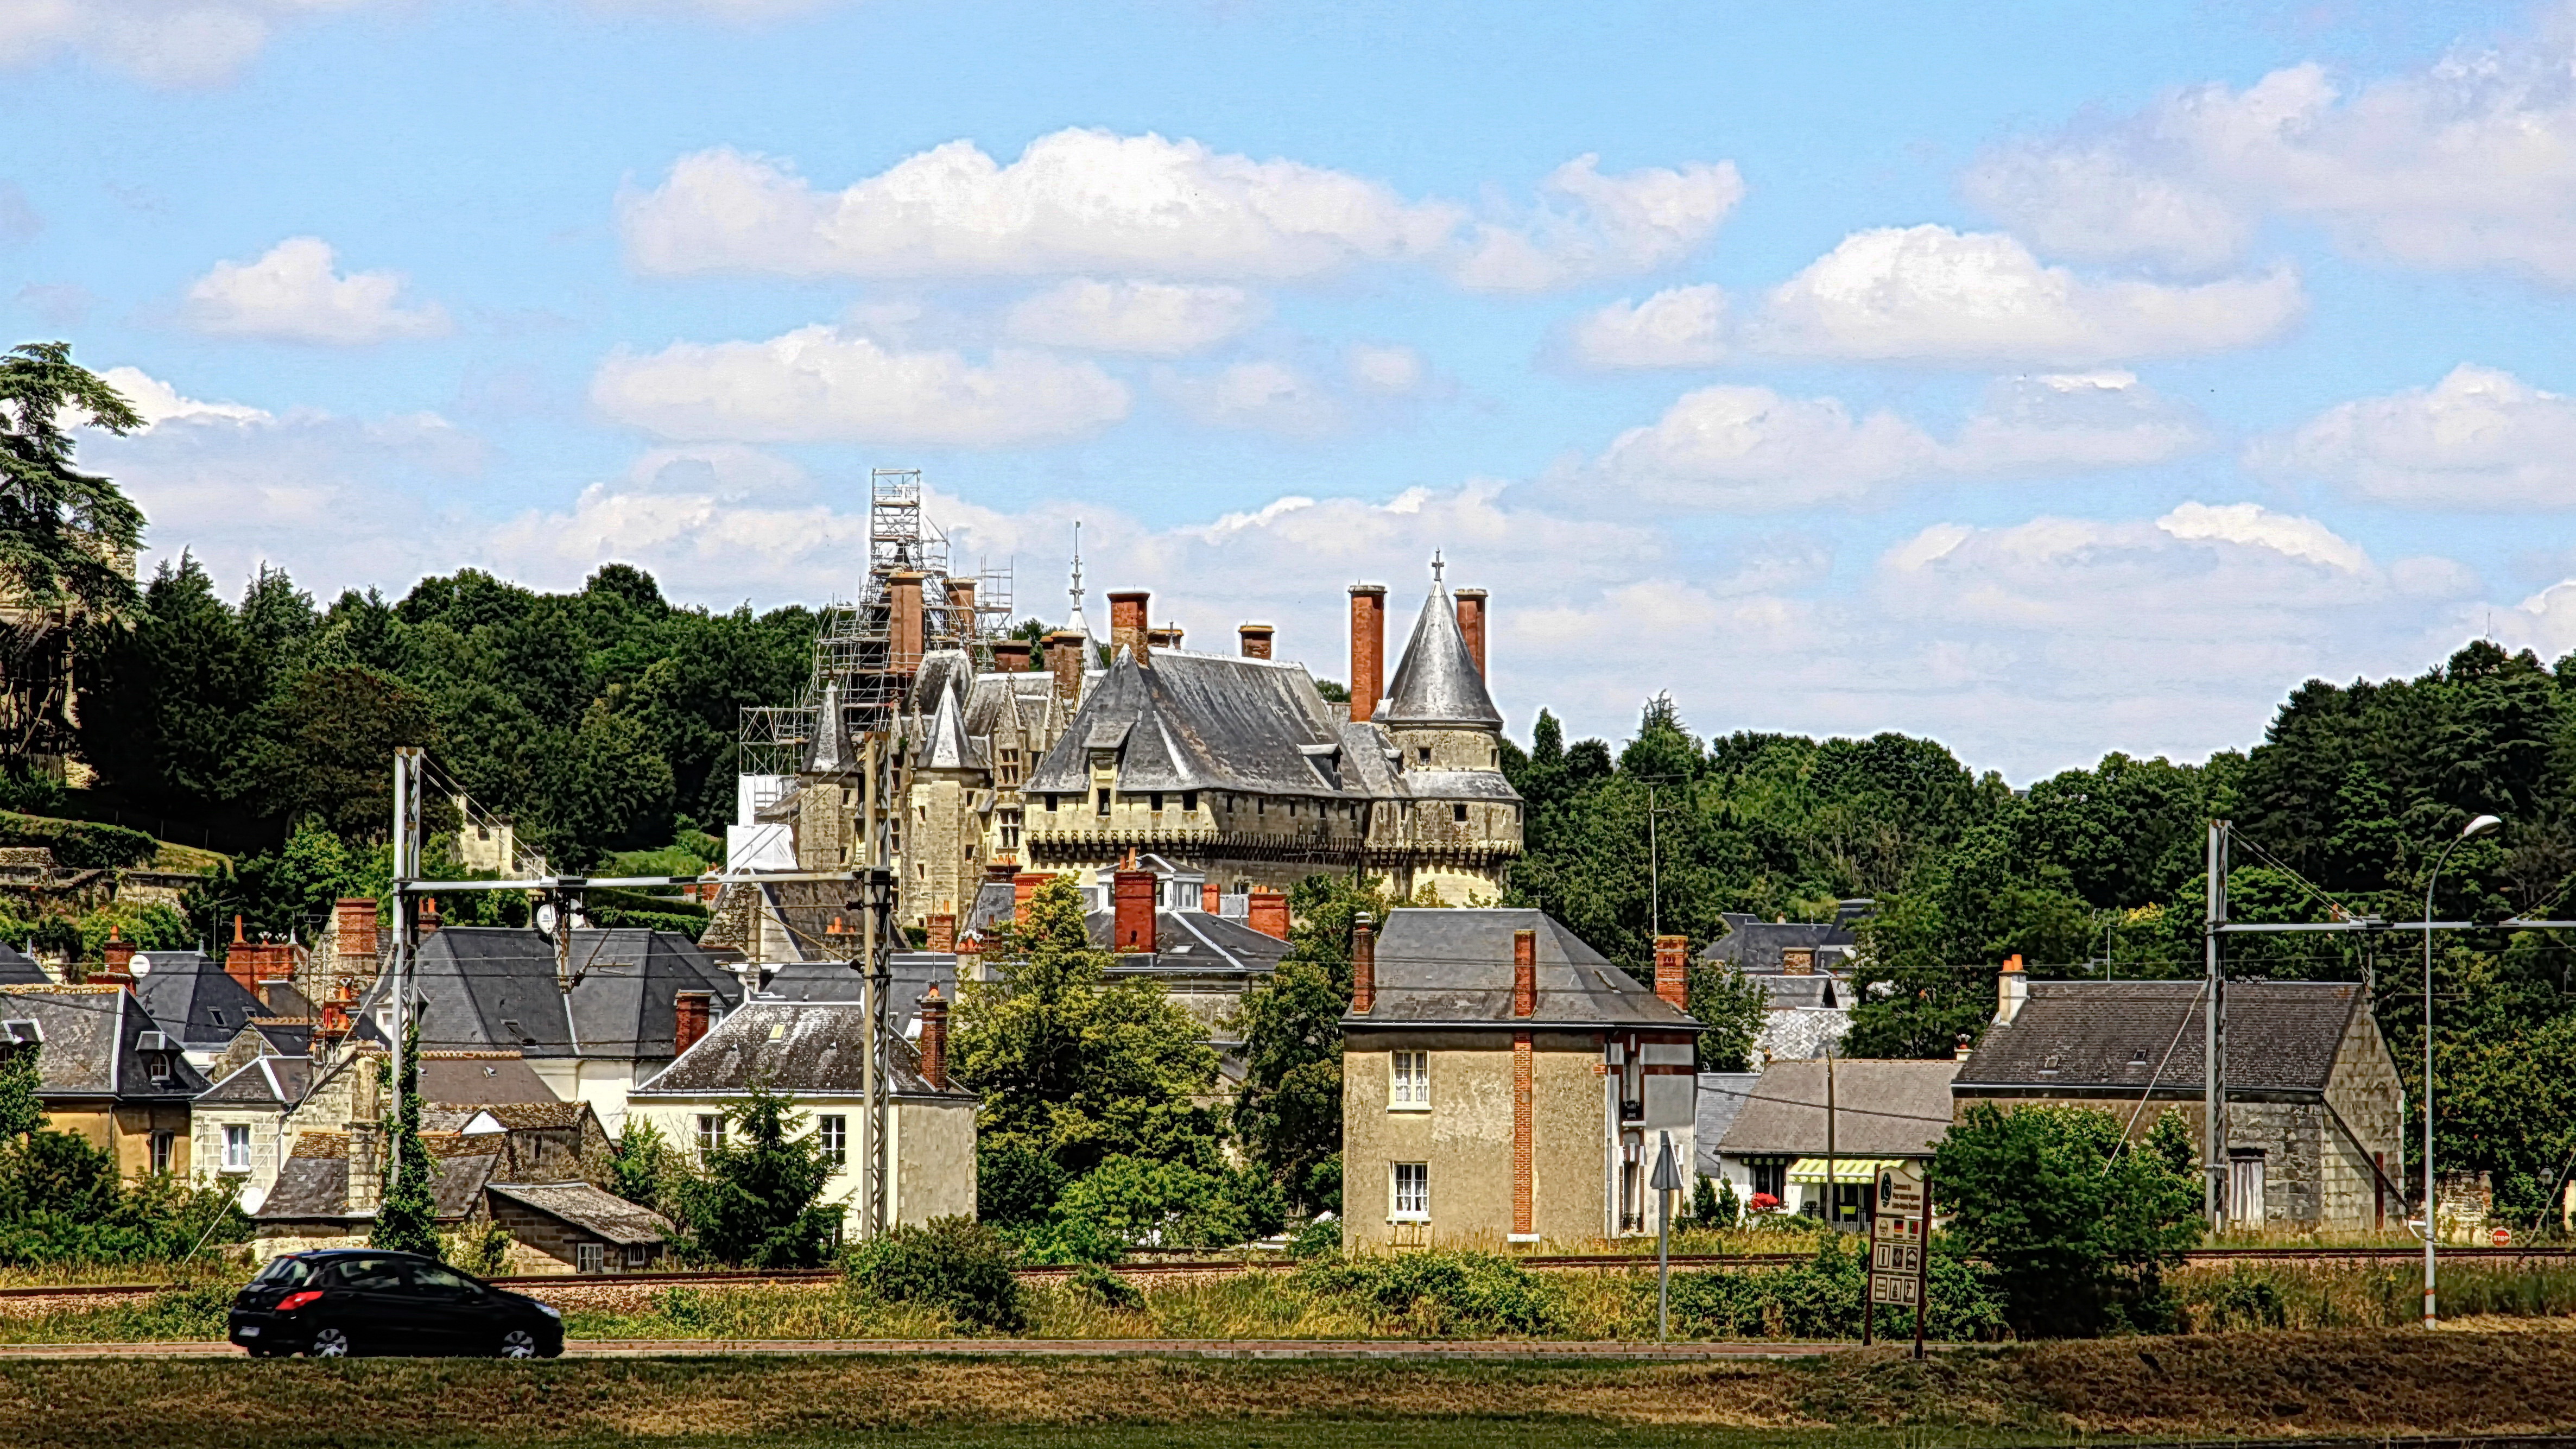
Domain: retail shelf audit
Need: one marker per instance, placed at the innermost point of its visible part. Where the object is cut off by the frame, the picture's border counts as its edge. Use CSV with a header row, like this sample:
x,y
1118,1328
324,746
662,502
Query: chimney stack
x,y
428,917
1011,656
119,954
943,931
1524,973
333,1026
934,1039
1167,637
1208,893
961,609
353,928
904,621
1132,932
689,1013
1256,640
1064,651
1023,886
2012,988
1363,963
1471,622
1269,914
1672,971
1964,1050
1127,624
1368,649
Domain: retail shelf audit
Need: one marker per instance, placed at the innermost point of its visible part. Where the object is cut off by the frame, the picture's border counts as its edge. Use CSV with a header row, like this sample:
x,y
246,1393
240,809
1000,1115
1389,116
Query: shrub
x,y
1105,1288
1137,1203
953,1263
1443,1293
1061,1240
1014,1181
1823,1298
80,844
1316,1239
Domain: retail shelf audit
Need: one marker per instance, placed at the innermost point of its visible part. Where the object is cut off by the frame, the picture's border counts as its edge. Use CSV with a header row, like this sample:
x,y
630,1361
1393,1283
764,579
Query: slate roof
x,y
1454,968
1881,1109
2282,1036
488,988
910,974
830,749
600,1213
1438,683
91,1036
306,1188
1720,1100
1754,945
523,1116
192,998
17,968
1193,942
996,901
947,747
1200,722
481,1079
264,1082
313,1182
802,1047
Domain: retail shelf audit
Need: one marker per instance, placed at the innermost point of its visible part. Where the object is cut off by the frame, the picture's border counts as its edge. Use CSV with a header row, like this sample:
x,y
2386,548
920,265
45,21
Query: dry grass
x,y
2377,1295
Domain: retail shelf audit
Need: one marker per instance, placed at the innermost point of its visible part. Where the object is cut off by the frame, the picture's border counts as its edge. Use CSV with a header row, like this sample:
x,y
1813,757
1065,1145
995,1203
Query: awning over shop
x,y
1846,1169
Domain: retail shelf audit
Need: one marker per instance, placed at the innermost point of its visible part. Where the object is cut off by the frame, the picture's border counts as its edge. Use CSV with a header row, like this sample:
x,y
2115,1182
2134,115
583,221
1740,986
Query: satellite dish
x,y
140,965
545,917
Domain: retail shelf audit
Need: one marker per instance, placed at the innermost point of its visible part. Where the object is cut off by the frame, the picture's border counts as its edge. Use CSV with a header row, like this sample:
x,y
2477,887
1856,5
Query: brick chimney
x,y
1167,637
1209,893
1524,973
2012,988
1127,624
961,608
1256,640
1368,648
904,621
1023,886
1363,963
428,918
1132,893
1064,650
331,1028
689,1013
943,931
1672,971
1011,656
934,1039
353,930
1269,914
119,955
1471,622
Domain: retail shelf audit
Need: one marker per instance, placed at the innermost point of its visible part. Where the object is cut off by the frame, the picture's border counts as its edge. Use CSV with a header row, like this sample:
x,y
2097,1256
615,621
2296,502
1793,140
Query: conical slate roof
x,y
948,748
1438,683
830,751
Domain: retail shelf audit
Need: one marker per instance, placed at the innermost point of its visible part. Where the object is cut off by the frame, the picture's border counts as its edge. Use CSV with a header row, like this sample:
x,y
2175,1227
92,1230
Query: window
x,y
1412,1086
2245,1188
1010,767
1189,800
711,1132
1104,803
371,1275
835,1132
1155,802
587,1258
1051,804
237,1149
1412,1192
1010,830
165,1146
440,1281
1422,756
1771,1178
1458,813
639,1255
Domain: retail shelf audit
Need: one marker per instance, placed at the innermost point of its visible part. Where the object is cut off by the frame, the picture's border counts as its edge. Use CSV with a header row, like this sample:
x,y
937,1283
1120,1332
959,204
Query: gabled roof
x,y
481,1079
193,999
92,1037
493,988
909,976
1200,722
263,1082
17,968
594,1211
829,752
313,1182
1192,942
1454,968
808,1048
1438,684
2124,1036
1881,1109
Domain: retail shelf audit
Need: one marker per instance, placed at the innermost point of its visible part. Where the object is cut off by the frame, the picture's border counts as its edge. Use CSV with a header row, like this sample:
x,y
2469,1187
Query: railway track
x,y
76,1293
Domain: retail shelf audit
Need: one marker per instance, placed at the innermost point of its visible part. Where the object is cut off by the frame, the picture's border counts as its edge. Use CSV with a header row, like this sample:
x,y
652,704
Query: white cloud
x,y
159,402
2469,162
1093,202
1736,447
1391,370
2478,439
817,384
1161,319
1927,294
1677,327
292,294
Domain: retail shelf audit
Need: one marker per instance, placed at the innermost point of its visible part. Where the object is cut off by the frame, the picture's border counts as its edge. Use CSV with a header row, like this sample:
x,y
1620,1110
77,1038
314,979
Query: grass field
x,y
2390,1383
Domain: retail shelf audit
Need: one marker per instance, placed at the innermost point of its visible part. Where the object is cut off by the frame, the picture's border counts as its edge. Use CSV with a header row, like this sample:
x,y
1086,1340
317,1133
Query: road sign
x,y
2501,1237
1899,1290
1668,1173
1900,1193
1905,1258
1888,1229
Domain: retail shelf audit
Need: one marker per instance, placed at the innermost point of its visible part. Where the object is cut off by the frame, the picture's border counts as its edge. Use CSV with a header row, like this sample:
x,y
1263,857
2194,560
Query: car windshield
x,y
284,1273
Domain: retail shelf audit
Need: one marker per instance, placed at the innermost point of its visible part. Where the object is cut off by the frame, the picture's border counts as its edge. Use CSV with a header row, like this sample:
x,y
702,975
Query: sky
x,y
2047,379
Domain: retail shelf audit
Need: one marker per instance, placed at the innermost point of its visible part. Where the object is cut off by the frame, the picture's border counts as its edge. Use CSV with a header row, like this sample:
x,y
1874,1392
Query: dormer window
x,y
1189,802
1103,809
1422,755
1154,801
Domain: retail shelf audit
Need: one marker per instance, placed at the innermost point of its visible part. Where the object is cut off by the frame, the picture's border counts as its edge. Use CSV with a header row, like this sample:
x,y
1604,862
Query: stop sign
x,y
2501,1238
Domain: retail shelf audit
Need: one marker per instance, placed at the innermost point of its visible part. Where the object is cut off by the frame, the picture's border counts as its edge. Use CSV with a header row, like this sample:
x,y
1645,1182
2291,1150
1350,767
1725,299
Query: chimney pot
x,y
1256,640
1471,623
1368,649
1208,893
1269,914
2012,988
1023,886
1132,930
1524,973
1672,971
118,954
1127,624
934,1039
1363,963
428,923
237,929
689,1013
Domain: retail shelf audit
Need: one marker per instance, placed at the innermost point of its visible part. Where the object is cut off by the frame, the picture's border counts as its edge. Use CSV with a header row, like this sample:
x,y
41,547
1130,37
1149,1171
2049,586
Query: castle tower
x,y
1459,820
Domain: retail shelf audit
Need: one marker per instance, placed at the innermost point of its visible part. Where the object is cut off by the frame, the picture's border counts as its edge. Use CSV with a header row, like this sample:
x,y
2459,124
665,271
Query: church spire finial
x,y
1436,566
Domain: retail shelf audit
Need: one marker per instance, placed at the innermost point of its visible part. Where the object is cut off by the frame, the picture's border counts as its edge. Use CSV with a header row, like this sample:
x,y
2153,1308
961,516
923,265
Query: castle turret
x,y
1459,819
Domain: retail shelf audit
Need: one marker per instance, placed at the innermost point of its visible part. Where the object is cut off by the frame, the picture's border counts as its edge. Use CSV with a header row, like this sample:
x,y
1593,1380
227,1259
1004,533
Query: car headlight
x,y
549,1310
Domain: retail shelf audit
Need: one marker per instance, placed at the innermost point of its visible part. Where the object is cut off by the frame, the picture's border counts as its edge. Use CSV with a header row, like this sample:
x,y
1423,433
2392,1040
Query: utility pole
x,y
408,782
1832,1193
2214,1041
1654,868
863,853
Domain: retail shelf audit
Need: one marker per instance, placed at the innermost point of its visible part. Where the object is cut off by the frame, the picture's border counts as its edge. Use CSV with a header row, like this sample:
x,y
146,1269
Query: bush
x,y
958,1264
1823,1299
1316,1239
1061,1240
1138,1203
1105,1288
61,1201
80,844
1443,1293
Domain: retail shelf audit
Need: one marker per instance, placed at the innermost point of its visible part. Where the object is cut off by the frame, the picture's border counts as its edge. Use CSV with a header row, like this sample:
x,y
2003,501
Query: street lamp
x,y
2479,826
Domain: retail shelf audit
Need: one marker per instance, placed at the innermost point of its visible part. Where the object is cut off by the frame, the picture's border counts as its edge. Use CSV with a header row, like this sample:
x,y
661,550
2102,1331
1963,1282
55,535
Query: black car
x,y
346,1301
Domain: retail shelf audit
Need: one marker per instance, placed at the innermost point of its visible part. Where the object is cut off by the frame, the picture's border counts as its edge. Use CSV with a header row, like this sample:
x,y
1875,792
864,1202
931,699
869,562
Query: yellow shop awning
x,y
1846,1169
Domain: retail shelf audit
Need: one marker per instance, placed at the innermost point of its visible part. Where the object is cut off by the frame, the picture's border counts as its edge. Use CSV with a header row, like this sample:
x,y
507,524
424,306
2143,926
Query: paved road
x,y
1287,1348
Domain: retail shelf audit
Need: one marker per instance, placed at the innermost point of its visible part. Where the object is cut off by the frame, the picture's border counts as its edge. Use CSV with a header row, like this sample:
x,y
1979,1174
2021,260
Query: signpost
x,y
1899,1235
1666,1181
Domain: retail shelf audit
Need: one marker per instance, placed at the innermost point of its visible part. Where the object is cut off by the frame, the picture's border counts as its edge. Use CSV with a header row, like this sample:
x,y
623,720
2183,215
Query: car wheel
x,y
518,1343
330,1343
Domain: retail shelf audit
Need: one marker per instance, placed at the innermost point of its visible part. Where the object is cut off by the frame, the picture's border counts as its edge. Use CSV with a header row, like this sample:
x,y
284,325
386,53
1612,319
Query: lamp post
x,y
2479,826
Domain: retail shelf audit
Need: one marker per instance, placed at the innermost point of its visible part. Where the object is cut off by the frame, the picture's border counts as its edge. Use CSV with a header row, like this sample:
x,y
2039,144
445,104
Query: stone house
x,y
195,1000
108,1072
240,1123
576,1227
814,1050
2315,1110
1502,1081
1802,1122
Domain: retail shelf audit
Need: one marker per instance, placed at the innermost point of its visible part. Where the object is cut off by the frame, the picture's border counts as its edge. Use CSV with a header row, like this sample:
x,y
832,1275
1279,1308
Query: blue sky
x,y
2049,379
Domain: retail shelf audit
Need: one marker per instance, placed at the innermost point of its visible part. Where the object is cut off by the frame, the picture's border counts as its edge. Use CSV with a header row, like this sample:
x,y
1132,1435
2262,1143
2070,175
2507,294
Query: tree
x,y
1733,1007
20,1076
331,745
2077,1225
407,1219
1289,1112
1077,1066
753,1200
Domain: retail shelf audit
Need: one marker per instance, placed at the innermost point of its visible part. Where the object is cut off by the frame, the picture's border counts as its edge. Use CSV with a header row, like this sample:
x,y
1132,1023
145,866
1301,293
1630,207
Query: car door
x,y
372,1302
451,1310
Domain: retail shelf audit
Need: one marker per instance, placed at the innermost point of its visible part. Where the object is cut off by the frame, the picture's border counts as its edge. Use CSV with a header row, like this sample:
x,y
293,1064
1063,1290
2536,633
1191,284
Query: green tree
x,y
1075,1065
407,1220
1289,1112
330,746
753,1200
643,1167
1733,1007
20,1076
2077,1226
